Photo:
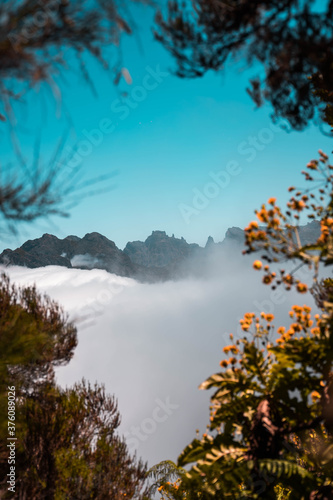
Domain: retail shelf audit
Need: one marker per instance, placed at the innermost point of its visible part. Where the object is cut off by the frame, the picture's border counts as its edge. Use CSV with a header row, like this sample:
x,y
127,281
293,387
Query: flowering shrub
x,y
270,433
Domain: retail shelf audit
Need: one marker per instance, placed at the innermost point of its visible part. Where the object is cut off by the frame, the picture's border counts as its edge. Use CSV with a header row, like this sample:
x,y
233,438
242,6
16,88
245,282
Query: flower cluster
x,y
277,235
302,324
171,490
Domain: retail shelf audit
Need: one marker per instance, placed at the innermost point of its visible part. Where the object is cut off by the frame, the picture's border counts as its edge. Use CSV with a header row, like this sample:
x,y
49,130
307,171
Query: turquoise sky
x,y
191,157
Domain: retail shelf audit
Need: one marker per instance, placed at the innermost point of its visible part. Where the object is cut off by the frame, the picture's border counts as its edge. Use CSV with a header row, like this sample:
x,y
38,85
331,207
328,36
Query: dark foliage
x,y
291,40
35,36
70,448
67,446
35,336
39,42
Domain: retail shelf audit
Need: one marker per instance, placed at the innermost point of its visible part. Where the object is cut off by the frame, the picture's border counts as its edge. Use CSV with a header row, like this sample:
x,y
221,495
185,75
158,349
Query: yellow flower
x,y
302,288
298,205
315,331
248,316
257,264
315,395
312,165
324,155
262,215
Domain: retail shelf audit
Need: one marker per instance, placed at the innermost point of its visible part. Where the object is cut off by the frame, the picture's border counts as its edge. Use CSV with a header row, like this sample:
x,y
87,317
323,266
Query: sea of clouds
x,y
153,344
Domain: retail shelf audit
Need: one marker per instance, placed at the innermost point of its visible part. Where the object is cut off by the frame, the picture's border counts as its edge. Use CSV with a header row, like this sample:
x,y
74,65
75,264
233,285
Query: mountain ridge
x,y
159,258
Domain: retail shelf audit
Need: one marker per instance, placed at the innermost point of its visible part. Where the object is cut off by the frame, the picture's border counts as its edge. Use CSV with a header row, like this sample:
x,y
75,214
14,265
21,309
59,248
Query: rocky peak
x,y
72,238
158,233
210,242
235,234
310,232
159,250
92,251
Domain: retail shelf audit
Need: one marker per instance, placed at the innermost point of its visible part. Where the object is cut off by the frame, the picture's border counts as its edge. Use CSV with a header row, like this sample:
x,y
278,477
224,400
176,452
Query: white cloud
x,y
150,342
85,260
